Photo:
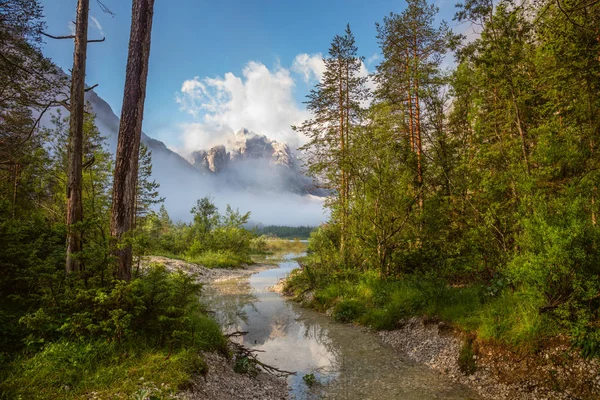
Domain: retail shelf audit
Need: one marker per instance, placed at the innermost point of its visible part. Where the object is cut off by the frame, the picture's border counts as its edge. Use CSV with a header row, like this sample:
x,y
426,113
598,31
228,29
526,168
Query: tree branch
x,y
71,37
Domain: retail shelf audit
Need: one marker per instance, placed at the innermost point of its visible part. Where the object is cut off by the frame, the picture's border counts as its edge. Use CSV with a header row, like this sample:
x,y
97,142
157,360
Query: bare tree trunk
x,y
410,106
521,131
130,129
418,131
14,207
75,151
342,169
347,208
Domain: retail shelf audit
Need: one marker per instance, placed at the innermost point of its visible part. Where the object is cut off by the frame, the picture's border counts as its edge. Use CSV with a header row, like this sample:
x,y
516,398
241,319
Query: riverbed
x,y
347,361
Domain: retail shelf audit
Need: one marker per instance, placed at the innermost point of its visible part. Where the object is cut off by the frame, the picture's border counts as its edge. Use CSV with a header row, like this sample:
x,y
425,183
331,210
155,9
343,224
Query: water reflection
x,y
348,361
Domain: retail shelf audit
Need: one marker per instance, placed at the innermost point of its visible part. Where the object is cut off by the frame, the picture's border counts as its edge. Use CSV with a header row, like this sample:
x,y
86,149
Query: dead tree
x,y
75,151
75,148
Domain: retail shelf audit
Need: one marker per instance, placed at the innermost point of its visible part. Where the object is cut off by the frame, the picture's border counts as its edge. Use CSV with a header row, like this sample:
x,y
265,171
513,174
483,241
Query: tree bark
x,y
410,106
75,150
342,158
130,129
418,143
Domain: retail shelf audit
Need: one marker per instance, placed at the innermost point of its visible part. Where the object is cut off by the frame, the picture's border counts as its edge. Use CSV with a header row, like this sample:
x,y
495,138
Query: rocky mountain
x,y
248,151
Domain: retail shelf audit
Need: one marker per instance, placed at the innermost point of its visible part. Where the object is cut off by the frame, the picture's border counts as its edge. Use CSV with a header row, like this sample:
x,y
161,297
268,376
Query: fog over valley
x,y
248,171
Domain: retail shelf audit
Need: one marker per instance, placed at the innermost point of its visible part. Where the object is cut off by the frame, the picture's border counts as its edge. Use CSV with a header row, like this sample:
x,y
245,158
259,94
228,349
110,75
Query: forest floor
x,y
221,382
553,372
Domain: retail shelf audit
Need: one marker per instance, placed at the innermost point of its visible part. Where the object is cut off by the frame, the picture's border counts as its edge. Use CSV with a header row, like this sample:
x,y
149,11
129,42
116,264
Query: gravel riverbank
x,y
555,373
221,382
203,274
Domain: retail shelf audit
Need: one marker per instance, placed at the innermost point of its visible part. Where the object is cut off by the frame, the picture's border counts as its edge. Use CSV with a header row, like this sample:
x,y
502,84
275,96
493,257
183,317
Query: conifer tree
x,y
335,103
147,190
412,48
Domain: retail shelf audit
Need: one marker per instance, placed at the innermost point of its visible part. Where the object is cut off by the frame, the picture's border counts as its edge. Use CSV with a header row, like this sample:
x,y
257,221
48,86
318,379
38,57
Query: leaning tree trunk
x,y
75,151
130,130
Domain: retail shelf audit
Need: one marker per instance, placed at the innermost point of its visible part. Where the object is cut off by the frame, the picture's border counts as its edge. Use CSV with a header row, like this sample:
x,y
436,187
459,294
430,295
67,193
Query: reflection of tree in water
x,y
227,300
313,330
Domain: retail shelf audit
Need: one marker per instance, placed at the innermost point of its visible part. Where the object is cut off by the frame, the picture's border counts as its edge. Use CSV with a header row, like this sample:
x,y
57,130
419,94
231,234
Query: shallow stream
x,y
348,362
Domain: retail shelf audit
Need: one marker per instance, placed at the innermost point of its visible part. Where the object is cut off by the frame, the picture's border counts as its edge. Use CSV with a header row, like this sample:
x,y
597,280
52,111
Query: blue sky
x,y
249,48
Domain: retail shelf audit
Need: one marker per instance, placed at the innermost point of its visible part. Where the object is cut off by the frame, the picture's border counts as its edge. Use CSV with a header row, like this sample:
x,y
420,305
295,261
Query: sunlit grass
x,y
511,318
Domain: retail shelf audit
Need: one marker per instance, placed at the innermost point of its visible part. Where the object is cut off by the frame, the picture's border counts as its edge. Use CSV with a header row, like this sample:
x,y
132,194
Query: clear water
x,y
348,362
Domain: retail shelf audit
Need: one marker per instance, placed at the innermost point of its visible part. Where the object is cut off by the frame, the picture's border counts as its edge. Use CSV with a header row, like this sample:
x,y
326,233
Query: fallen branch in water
x,y
242,351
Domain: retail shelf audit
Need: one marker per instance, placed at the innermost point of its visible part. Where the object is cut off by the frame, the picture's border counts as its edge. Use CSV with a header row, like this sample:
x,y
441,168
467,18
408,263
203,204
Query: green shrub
x,y
220,259
69,370
348,310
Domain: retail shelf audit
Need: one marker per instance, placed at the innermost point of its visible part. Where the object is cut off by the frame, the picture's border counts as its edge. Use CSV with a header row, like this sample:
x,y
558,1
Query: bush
x,y
220,259
75,369
348,310
107,338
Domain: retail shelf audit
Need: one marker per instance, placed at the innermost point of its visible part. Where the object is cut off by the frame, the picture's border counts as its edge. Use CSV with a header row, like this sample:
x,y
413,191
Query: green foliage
x,y
76,369
220,259
285,232
212,240
245,365
309,380
109,337
348,310
469,195
466,358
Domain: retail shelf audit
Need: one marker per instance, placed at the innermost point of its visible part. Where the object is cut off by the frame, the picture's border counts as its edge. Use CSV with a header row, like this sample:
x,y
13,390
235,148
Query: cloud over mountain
x,y
261,100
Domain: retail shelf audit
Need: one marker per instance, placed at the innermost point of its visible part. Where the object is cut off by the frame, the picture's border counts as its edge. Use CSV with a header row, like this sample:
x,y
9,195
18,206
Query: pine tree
x,y
147,188
412,47
335,103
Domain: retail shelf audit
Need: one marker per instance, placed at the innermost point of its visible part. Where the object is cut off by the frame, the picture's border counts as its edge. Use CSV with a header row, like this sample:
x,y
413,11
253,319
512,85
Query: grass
x,y
98,369
220,259
278,245
211,259
78,370
510,318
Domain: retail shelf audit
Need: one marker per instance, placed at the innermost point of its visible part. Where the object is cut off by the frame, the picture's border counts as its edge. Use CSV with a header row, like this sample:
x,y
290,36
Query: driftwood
x,y
242,351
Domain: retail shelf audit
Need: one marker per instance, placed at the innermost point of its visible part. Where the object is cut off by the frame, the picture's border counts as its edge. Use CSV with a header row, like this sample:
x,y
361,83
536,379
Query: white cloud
x,y
261,100
372,59
311,67
71,26
97,25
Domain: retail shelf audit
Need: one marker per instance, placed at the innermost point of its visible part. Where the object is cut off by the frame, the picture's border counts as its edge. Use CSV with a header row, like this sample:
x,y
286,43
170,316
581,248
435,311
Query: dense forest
x,y
467,194
286,232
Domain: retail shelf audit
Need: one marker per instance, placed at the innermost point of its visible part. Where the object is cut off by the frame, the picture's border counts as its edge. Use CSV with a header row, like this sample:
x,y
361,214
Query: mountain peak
x,y
244,133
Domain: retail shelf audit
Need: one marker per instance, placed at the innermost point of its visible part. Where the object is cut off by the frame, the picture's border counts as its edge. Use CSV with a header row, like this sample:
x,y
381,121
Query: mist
x,y
251,185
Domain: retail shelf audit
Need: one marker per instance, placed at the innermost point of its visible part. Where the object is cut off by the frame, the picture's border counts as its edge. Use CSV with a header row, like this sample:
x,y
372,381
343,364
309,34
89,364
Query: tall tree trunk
x,y
15,187
418,143
343,167
521,130
130,129
347,190
410,106
75,151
